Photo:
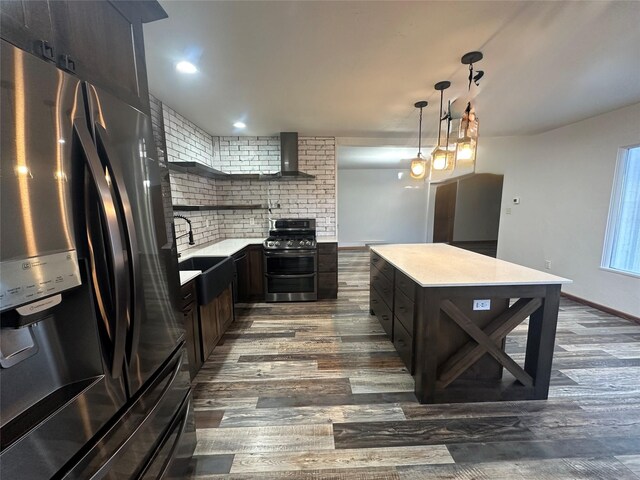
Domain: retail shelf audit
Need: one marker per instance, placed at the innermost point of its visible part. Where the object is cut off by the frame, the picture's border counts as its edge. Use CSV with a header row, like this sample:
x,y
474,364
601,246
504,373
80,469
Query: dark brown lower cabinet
x,y
327,271
256,273
215,318
249,282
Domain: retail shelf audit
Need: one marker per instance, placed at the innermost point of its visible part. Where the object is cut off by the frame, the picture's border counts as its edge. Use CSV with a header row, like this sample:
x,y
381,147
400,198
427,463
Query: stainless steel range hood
x,y
289,157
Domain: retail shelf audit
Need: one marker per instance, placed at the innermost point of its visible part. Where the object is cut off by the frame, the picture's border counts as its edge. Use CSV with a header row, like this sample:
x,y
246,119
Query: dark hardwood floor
x,y
316,391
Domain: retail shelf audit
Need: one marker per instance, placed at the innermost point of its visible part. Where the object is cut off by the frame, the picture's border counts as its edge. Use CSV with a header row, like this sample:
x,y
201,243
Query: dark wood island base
x,y
455,352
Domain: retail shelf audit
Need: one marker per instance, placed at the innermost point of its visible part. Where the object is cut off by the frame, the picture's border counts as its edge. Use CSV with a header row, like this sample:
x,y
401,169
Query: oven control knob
x,y
270,244
277,244
290,243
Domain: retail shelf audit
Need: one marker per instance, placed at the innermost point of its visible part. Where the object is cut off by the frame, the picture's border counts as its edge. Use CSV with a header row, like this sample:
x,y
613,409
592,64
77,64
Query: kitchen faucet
x,y
190,232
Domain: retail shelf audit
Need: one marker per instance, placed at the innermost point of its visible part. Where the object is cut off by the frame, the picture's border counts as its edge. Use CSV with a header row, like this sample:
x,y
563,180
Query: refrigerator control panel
x,y
27,280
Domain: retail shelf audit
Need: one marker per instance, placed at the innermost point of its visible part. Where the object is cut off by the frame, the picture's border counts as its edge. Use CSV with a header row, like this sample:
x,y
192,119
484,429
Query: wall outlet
x,y
547,264
252,221
507,211
482,304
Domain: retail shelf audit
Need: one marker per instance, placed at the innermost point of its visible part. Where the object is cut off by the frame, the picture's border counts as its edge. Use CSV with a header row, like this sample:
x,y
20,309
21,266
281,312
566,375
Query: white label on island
x,y
482,304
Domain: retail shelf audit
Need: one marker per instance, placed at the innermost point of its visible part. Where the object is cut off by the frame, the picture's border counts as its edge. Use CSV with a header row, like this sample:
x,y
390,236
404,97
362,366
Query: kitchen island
x,y
449,311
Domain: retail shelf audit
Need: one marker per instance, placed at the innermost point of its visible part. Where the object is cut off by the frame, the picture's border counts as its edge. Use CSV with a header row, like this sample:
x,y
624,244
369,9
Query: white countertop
x,y
188,275
231,246
441,265
327,239
223,248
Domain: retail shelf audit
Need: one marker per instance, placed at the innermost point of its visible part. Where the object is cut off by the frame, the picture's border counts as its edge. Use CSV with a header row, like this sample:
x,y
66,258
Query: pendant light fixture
x,y
467,143
419,165
443,156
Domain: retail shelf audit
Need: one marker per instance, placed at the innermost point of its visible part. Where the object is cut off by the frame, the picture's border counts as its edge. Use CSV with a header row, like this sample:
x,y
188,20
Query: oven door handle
x,y
297,253
305,275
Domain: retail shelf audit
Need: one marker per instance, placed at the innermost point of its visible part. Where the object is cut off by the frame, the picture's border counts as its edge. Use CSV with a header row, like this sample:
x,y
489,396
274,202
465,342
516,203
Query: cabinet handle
x,y
67,63
46,51
188,295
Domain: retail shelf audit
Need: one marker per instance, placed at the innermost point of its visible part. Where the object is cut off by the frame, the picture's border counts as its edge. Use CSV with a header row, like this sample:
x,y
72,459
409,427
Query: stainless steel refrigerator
x,y
93,374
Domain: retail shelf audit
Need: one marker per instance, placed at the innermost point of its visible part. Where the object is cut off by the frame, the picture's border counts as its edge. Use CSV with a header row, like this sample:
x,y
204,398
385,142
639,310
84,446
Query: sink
x,y
217,274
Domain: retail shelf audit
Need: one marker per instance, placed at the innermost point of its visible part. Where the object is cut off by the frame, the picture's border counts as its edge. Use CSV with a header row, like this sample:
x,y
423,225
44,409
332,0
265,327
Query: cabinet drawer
x,y
327,248
403,308
406,285
381,311
327,262
404,344
382,265
187,294
383,285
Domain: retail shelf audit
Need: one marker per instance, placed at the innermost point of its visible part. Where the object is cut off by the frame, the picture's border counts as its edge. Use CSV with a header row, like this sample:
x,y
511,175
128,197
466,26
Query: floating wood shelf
x,y
196,168
202,208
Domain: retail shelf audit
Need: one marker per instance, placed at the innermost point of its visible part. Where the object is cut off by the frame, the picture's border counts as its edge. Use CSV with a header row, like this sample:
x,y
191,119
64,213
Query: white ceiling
x,y
355,68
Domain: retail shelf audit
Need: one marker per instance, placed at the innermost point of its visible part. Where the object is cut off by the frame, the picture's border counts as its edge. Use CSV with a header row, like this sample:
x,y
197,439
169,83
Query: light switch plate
x,y
482,304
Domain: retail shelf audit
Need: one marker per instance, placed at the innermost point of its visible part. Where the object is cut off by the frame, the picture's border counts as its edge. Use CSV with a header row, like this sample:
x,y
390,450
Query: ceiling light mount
x,y
421,104
469,59
440,86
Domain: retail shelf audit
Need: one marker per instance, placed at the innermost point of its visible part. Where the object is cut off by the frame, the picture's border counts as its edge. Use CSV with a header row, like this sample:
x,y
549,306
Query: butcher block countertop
x,y
441,265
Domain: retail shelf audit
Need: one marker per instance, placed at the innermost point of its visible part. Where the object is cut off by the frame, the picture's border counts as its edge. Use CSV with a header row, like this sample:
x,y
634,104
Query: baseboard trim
x,y
602,308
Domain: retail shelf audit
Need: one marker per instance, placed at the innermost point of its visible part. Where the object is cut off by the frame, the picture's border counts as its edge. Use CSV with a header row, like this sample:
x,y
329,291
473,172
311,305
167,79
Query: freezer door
x,y
154,439
126,148
38,256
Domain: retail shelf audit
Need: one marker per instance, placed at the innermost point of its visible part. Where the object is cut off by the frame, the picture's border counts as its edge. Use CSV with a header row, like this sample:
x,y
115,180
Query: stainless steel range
x,y
291,261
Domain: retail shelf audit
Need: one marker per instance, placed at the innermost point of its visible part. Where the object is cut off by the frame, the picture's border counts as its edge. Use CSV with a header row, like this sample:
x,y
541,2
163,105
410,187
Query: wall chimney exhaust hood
x,y
288,158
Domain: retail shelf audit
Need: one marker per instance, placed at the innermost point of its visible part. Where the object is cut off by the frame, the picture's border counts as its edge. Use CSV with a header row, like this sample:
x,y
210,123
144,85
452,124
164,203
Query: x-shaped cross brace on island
x,y
486,341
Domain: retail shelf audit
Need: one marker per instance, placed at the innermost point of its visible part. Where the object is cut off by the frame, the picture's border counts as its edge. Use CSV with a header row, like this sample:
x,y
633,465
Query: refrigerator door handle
x,y
115,247
178,424
132,238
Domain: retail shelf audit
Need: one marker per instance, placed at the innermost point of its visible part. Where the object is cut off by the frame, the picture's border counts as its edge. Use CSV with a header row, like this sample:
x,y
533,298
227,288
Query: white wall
x,y
564,179
374,206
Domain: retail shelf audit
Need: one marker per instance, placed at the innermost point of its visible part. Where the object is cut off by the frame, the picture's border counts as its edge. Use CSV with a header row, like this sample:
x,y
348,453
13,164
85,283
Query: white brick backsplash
x,y
184,141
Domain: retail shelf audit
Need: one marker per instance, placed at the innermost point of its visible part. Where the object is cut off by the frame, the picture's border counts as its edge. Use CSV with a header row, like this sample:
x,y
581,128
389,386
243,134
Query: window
x,y
622,243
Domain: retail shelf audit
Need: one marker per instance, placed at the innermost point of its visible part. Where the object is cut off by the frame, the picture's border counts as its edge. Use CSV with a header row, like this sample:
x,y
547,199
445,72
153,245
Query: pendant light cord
x,y
440,117
448,122
420,136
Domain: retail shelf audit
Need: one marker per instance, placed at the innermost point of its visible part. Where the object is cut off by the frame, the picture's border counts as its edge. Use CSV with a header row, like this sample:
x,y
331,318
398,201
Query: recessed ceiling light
x,y
186,67
239,125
